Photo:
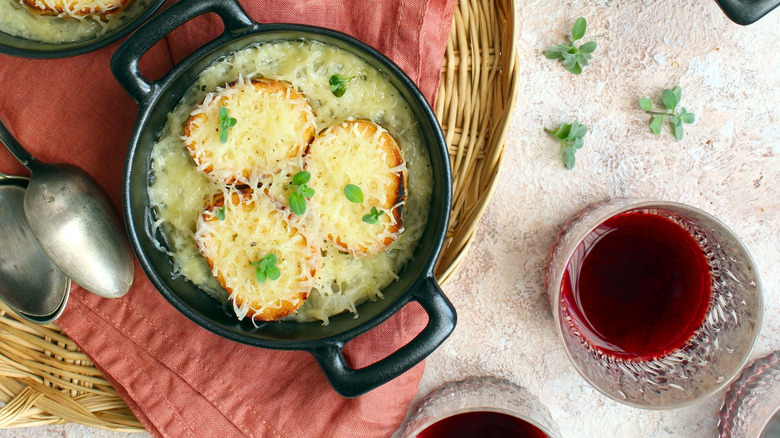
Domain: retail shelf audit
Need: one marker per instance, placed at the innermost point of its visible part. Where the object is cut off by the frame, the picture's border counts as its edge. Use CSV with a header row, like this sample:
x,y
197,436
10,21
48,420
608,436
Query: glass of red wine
x,y
658,304
479,407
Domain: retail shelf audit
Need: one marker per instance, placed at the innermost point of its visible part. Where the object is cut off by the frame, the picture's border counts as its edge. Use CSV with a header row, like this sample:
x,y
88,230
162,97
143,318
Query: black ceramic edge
x,y
87,47
308,345
746,12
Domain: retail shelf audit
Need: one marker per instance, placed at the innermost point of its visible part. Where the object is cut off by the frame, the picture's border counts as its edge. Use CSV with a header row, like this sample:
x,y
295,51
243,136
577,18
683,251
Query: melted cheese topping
x,y
253,227
179,191
23,21
375,165
76,8
274,123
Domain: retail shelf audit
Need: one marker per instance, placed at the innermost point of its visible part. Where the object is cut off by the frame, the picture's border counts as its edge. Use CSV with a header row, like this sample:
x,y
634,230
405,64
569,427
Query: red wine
x,y
482,424
638,286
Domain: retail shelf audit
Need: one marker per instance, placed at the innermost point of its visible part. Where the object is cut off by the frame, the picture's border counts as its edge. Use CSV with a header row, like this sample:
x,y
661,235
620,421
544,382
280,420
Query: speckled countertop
x,y
728,164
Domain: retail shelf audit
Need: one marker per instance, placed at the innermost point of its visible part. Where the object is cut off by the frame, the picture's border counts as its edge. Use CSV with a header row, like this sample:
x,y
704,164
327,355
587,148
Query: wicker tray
x,y
46,379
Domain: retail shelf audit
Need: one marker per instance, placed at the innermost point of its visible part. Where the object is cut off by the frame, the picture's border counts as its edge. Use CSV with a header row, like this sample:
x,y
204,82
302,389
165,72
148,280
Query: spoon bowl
x,y
30,283
75,223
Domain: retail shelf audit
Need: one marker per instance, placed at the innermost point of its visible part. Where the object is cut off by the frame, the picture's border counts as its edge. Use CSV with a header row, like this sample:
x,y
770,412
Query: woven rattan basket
x,y
46,379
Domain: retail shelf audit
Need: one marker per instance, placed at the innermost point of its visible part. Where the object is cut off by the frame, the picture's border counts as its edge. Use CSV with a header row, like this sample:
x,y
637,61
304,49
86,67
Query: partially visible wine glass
x,y
751,407
479,407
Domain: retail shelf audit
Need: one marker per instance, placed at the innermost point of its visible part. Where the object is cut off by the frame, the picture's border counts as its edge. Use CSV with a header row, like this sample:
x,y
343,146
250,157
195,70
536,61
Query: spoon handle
x,y
14,146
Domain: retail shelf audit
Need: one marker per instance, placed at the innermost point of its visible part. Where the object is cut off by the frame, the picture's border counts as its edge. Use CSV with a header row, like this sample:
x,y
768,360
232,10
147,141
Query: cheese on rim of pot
x,y
367,157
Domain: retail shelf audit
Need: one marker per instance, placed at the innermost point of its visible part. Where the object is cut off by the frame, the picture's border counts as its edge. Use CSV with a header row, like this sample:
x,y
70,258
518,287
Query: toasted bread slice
x,y
236,234
77,8
274,125
362,153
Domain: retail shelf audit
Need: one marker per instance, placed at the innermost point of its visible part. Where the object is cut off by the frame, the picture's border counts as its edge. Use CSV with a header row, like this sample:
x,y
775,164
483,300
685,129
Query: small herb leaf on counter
x,y
338,84
225,123
266,268
353,193
572,57
670,100
570,138
578,30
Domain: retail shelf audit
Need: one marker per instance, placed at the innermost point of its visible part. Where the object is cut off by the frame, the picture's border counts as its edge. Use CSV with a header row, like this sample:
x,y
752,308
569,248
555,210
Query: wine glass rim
x,y
644,203
468,409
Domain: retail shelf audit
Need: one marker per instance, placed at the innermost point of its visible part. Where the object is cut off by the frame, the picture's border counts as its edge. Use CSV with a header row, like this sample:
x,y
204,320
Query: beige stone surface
x,y
728,164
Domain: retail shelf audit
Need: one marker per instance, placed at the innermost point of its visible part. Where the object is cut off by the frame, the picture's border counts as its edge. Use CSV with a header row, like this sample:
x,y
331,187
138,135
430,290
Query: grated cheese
x,y
253,227
179,192
274,123
376,166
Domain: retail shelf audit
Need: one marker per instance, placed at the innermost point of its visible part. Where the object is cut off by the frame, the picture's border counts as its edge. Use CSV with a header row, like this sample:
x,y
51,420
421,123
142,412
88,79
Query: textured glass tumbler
x,y
751,407
717,350
478,394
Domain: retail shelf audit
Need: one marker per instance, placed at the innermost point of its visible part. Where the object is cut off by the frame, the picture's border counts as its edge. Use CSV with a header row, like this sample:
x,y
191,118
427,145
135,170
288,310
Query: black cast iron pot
x,y
25,48
746,11
416,283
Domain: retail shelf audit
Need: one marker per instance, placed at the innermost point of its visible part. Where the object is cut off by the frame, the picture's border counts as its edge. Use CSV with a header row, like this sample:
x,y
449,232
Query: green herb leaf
x,y
297,203
687,117
588,47
373,216
225,123
273,273
266,268
572,57
221,213
678,130
656,123
338,84
562,132
669,99
301,178
557,51
353,193
578,31
568,158
300,191
306,192
570,138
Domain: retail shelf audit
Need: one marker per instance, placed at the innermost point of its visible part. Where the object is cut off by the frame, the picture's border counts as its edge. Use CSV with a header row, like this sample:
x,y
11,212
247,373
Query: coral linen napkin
x,y
179,379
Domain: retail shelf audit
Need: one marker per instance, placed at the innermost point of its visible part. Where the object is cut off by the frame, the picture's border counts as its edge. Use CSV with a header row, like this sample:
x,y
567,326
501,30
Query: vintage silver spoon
x,y
75,223
30,283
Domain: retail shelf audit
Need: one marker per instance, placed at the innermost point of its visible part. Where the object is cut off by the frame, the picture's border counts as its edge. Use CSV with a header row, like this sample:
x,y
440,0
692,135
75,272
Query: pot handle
x,y
124,63
350,382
